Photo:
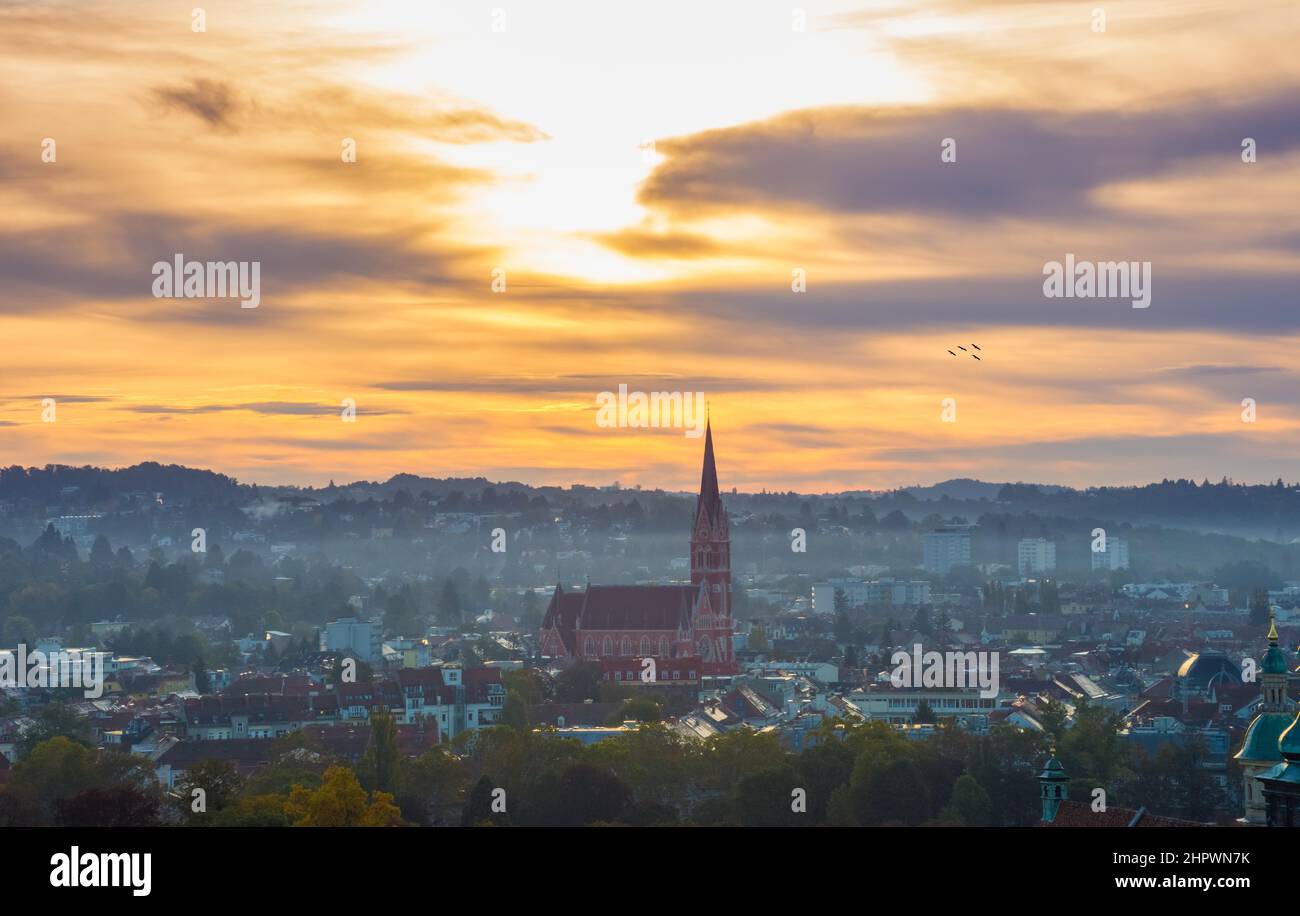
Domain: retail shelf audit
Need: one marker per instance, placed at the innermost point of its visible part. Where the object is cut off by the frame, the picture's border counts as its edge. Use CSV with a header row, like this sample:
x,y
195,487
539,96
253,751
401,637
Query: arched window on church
x,y
645,645
706,649
608,647
589,648
663,646
626,647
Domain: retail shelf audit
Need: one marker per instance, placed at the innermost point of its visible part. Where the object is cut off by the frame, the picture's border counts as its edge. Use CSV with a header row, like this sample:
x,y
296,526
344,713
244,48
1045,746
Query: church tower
x,y
1259,749
711,565
1053,787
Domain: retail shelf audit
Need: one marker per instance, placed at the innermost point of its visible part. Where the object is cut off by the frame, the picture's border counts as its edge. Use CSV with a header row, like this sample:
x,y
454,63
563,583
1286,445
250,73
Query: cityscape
x,y
868,424
959,660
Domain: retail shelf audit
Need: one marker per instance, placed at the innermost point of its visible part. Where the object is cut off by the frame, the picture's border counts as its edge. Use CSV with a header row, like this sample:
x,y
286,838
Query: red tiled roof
x,y
637,607
1080,814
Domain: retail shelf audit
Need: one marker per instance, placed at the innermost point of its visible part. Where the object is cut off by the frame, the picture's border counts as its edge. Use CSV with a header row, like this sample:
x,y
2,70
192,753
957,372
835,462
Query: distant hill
x,y
89,486
966,488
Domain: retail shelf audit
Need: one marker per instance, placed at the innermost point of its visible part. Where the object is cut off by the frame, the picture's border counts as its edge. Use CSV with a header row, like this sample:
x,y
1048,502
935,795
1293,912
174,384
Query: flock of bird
x,y
964,350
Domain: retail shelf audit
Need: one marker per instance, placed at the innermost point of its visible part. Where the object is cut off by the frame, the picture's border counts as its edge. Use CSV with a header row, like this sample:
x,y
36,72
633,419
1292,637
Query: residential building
x,y
1036,556
1114,557
350,636
944,548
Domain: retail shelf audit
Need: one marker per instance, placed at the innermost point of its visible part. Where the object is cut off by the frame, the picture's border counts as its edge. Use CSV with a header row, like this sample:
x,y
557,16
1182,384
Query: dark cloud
x,y
1182,298
60,398
586,386
208,100
1217,369
268,408
1010,162
113,257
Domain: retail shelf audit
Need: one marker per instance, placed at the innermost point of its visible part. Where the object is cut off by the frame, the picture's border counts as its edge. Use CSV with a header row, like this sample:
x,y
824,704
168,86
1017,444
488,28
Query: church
x,y
686,629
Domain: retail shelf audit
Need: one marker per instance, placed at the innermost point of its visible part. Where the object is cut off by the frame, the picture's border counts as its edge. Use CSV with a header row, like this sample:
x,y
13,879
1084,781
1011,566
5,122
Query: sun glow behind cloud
x,y
526,150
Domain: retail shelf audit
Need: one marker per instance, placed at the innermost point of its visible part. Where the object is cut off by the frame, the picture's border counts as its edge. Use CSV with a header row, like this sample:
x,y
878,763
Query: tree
x,y
892,793
18,631
399,613
220,783
764,798
1092,752
514,712
54,721
969,803
823,768
381,759
1259,607
341,802
54,769
579,682
589,794
202,683
295,761
839,810
478,809
431,783
253,811
101,552
924,714
527,682
110,806
640,708
449,605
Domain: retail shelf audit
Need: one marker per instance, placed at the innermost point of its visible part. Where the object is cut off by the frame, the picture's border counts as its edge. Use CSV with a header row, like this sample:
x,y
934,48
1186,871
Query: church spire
x,y
710,498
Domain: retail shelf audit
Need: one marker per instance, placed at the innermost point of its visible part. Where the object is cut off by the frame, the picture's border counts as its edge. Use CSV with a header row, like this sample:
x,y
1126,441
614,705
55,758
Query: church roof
x,y
1205,668
637,607
619,607
1262,737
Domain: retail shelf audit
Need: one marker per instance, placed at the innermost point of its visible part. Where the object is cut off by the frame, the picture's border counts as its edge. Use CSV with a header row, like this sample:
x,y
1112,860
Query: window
x,y
589,647
645,645
608,647
663,646
626,647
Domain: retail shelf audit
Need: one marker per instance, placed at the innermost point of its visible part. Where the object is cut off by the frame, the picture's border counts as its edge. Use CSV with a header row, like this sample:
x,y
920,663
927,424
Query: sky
x,y
553,199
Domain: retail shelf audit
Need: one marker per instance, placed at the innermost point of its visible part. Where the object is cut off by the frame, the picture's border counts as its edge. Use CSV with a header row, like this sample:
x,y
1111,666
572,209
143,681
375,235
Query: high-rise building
x,y
1115,556
1036,555
359,639
944,548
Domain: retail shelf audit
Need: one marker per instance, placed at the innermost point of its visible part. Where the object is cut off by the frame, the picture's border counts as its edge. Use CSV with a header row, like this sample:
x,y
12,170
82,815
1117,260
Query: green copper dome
x,y
1263,736
1289,743
1053,770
